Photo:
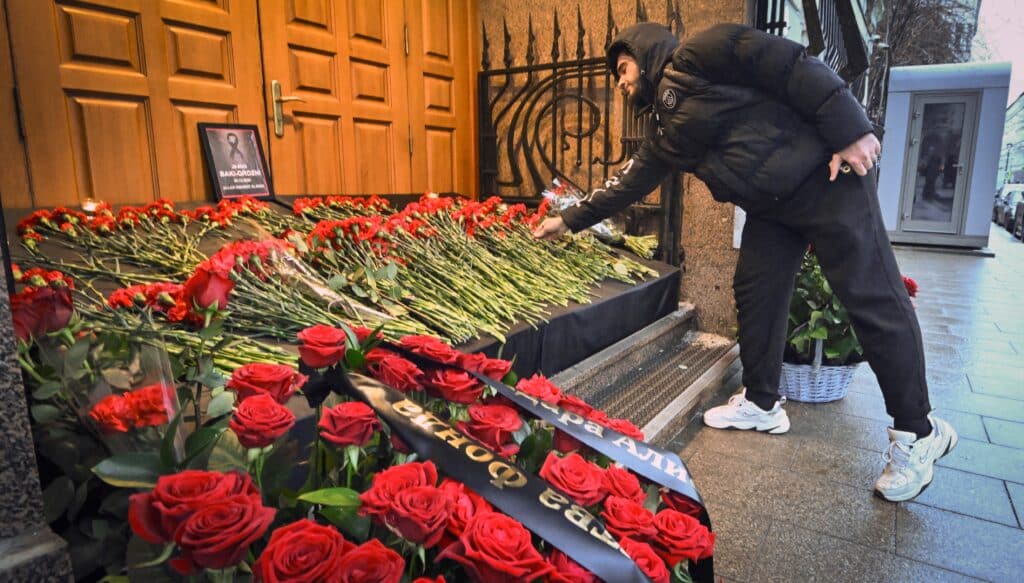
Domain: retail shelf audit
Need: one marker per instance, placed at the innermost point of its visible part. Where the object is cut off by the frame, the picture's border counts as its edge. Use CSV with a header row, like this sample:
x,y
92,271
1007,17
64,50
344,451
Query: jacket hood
x,y
652,45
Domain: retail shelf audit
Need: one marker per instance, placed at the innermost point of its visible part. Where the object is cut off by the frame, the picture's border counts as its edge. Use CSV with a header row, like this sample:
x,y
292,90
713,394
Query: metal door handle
x,y
279,101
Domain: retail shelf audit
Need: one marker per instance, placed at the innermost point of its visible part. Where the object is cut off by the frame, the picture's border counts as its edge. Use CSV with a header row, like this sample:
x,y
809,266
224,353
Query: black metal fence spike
x,y
674,18
485,62
612,27
641,11
509,60
554,41
581,32
531,40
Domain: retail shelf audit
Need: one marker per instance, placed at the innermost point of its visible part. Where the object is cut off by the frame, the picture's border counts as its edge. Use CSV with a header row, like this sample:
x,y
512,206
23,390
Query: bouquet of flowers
x,y
562,196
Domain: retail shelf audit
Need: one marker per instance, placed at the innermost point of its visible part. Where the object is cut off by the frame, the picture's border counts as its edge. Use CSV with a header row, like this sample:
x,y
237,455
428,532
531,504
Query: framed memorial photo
x,y
235,160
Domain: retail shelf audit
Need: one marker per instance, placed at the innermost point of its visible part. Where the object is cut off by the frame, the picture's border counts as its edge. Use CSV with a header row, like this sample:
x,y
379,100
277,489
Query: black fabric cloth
x,y
750,114
576,331
843,221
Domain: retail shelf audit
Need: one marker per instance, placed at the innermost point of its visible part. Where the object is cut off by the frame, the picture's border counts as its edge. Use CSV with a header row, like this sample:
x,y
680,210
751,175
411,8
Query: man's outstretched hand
x,y
861,155
551,228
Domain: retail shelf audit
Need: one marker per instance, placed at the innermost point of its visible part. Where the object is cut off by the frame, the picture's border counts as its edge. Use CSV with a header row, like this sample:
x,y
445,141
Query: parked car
x,y
1018,221
1005,205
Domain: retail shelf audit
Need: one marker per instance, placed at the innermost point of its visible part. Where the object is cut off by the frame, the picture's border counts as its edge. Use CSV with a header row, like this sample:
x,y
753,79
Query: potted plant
x,y
822,350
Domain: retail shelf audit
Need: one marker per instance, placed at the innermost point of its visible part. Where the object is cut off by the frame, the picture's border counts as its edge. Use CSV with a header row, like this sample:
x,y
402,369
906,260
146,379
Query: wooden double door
x,y
376,94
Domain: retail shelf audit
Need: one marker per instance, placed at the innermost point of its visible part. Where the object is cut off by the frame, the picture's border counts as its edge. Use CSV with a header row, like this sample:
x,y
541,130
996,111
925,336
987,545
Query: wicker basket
x,y
816,383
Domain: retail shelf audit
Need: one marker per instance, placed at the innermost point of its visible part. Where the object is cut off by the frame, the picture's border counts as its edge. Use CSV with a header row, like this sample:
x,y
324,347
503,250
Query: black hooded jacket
x,y
748,113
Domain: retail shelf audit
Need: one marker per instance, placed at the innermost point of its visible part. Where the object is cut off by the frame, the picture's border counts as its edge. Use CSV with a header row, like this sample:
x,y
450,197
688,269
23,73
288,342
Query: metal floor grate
x,y
638,394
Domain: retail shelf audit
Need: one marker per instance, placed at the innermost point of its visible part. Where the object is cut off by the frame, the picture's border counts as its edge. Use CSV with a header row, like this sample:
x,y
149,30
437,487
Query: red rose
x,y
322,346
394,371
619,481
493,425
431,348
208,288
493,368
454,385
398,445
438,579
681,503
362,333
568,570
911,285
155,515
625,427
150,405
39,311
419,514
371,562
260,420
574,404
575,476
350,423
218,535
645,558
277,380
540,387
626,518
301,551
465,504
565,443
496,548
379,498
112,414
681,536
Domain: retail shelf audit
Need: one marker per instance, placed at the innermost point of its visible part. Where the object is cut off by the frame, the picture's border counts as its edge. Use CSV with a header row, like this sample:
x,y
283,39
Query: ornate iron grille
x,y
543,121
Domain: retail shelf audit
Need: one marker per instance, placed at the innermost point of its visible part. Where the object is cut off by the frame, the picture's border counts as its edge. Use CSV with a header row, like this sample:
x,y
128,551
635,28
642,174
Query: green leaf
x,y
46,390
81,495
130,470
115,579
354,359
681,572
653,498
118,378
815,316
168,456
510,379
228,454
348,521
164,555
216,328
220,405
522,433
391,271
352,455
534,449
337,282
45,413
200,441
56,497
74,359
337,497
819,333
211,378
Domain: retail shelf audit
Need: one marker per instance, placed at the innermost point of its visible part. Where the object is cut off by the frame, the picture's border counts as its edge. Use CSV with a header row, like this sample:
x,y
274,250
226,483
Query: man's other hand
x,y
551,228
861,156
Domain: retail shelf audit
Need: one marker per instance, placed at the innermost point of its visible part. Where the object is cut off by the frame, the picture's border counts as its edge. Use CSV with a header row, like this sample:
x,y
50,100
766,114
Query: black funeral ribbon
x,y
658,465
529,499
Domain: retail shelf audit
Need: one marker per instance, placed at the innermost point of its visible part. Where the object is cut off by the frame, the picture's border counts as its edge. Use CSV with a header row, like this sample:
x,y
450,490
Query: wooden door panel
x,y
440,88
116,87
346,61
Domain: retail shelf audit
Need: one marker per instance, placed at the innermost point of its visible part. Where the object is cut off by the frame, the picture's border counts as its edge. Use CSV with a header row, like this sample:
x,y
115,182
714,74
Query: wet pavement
x,y
799,507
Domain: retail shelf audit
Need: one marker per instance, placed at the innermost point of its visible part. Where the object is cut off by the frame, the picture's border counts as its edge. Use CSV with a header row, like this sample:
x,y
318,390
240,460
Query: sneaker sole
x,y
952,443
747,426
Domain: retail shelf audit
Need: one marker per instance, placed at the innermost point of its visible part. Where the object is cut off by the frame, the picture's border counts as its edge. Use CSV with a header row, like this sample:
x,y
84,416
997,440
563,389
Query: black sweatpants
x,y
843,221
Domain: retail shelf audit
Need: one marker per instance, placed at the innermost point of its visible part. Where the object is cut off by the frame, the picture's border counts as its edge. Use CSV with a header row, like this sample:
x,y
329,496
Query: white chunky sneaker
x,y
739,413
911,460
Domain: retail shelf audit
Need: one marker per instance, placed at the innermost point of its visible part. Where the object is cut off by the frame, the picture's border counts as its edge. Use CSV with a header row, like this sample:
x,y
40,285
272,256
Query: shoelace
x,y
897,453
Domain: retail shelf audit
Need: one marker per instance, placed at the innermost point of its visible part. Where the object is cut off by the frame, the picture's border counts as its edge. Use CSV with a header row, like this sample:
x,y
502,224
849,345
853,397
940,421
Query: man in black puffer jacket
x,y
779,134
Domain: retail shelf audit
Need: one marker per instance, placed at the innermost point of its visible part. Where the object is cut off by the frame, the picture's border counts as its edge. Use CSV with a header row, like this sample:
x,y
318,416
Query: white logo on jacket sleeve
x,y
668,99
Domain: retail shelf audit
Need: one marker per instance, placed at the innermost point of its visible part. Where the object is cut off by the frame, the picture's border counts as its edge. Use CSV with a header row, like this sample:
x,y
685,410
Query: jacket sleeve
x,y
635,179
739,55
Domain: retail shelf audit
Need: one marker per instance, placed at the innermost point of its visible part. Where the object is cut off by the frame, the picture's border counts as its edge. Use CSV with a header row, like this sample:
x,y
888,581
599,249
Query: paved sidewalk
x,y
799,507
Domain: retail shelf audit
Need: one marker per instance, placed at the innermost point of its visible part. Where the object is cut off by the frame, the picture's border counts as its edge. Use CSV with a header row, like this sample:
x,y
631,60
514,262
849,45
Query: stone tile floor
x,y
799,507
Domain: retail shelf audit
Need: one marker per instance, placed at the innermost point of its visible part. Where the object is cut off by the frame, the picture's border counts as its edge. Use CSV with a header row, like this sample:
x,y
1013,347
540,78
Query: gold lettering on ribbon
x,y
552,499
452,437
478,453
594,428
505,476
568,417
407,408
